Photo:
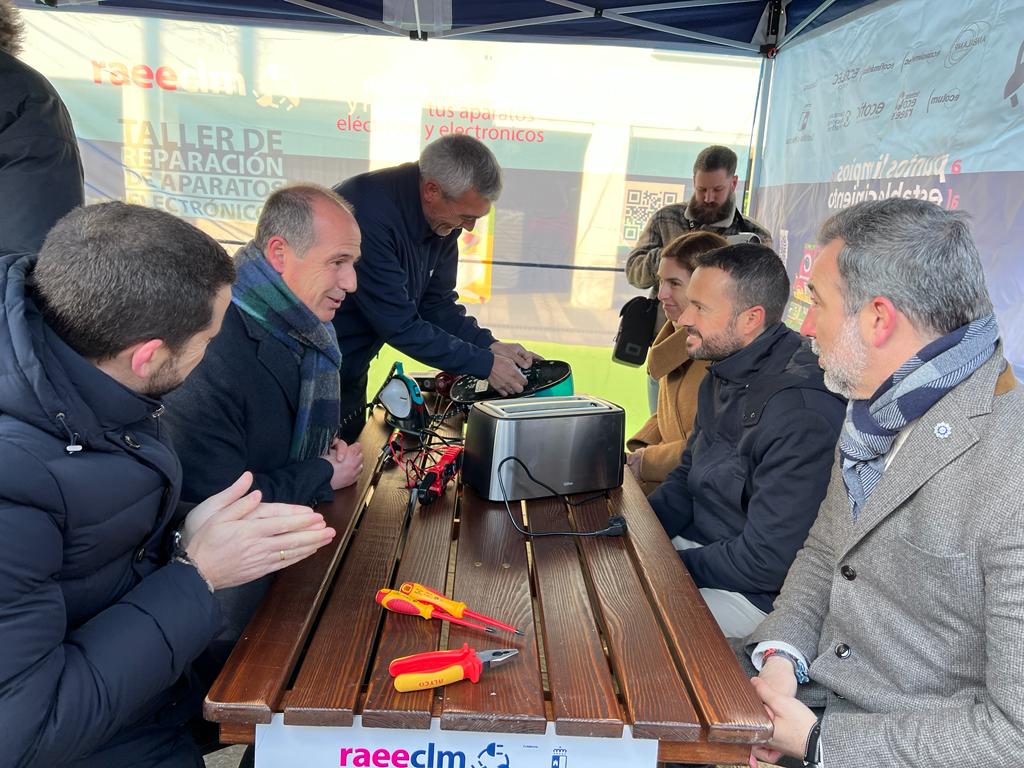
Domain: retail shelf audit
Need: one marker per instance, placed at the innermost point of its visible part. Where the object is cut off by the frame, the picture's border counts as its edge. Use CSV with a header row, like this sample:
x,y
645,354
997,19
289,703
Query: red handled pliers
x,y
436,668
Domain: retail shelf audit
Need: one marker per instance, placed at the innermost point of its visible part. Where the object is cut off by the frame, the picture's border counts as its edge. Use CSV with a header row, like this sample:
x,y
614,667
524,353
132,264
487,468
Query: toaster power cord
x,y
616,524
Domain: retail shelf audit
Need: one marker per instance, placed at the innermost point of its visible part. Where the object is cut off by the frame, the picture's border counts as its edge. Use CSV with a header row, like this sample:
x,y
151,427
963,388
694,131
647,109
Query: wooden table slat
x,y
582,691
703,752
250,686
492,577
728,703
328,685
668,671
424,560
656,696
237,733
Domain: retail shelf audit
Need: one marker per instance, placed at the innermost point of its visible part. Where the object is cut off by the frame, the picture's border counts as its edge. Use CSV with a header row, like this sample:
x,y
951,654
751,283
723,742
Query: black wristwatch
x,y
180,555
812,750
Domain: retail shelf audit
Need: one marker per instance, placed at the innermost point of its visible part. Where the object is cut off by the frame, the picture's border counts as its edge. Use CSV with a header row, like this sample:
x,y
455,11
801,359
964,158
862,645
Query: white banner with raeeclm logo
x,y
285,746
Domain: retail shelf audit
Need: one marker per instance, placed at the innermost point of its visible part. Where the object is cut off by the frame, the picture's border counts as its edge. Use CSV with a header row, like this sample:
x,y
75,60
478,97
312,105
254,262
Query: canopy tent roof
x,y
725,26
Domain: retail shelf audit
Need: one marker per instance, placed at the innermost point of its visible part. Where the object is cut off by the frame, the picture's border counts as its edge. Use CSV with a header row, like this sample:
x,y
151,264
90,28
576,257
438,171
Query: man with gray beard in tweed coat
x,y
902,618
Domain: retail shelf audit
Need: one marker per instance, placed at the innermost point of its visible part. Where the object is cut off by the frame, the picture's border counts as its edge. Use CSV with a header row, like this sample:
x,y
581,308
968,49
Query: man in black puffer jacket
x,y
758,461
102,605
40,168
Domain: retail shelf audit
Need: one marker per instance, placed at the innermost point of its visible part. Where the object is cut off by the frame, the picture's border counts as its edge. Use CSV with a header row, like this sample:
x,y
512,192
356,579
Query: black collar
x,y
743,365
112,405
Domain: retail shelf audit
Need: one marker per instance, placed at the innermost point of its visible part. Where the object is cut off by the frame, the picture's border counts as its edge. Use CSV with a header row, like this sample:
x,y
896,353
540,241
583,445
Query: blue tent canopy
x,y
725,26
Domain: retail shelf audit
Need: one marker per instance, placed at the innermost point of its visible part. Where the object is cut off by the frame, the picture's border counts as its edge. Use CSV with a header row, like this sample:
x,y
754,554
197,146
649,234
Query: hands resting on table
x,y
346,461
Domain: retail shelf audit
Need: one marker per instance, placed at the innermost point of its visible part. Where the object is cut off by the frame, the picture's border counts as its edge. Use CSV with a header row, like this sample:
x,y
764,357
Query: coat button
x,y
130,441
140,554
842,650
848,573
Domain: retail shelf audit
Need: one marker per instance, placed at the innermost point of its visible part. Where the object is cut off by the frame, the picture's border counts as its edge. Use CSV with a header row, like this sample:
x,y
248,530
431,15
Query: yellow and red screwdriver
x,y
422,594
398,603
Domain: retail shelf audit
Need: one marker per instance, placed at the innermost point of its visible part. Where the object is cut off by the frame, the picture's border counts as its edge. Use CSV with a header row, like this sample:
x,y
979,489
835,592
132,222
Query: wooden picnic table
x,y
616,632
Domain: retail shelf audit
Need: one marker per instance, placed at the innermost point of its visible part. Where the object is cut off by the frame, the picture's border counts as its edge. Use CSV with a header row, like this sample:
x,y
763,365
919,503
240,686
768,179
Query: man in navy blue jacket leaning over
x,y
411,217
759,458
106,586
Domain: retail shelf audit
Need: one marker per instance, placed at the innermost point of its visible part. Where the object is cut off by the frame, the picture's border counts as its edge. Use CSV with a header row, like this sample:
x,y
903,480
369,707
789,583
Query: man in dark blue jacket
x,y
241,407
40,168
758,462
106,587
265,396
411,217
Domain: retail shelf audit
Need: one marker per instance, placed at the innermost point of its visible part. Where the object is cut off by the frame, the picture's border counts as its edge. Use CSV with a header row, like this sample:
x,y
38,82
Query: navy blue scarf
x,y
872,425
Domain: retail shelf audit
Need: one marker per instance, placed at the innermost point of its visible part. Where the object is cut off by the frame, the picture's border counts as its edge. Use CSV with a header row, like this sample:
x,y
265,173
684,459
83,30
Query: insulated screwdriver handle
x,y
399,603
426,595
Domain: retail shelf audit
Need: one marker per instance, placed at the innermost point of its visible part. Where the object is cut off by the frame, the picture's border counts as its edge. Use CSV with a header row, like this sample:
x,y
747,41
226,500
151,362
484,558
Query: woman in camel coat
x,y
656,448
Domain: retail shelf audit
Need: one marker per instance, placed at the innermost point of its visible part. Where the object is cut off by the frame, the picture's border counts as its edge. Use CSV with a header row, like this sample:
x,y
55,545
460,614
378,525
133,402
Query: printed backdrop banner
x,y
205,120
910,99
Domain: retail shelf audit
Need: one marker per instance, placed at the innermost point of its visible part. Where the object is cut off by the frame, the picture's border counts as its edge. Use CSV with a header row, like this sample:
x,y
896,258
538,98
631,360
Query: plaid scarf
x,y
872,425
260,292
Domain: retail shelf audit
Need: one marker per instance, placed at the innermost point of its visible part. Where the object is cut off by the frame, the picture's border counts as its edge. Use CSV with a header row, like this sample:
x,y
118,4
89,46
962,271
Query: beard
x,y
166,379
708,213
715,348
845,363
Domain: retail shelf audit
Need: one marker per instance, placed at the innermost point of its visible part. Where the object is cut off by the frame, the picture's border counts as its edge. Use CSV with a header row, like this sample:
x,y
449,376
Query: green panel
x,y
91,108
593,373
672,159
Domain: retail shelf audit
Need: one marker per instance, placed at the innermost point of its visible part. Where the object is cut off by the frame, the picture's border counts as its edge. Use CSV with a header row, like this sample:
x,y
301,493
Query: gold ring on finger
x,y
283,555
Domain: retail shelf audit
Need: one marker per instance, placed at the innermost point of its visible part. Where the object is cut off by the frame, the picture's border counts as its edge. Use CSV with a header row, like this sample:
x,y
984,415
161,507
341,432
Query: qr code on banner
x,y
642,200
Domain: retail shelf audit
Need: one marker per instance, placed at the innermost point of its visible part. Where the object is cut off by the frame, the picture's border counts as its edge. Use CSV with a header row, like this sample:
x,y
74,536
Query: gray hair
x,y
459,163
716,158
111,275
916,254
288,213
12,28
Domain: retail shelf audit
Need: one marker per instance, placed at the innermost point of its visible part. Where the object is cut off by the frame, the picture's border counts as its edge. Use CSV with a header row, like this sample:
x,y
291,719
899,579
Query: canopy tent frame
x,y
581,11
738,27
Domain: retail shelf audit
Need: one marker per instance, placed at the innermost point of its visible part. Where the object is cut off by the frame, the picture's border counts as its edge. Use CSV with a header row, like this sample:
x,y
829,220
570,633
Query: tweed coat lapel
x,y
935,440
276,358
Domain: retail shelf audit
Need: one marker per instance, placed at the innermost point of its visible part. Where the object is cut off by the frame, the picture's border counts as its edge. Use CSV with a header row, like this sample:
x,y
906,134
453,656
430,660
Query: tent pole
x,y
671,6
760,131
681,32
675,32
419,26
500,25
373,24
799,27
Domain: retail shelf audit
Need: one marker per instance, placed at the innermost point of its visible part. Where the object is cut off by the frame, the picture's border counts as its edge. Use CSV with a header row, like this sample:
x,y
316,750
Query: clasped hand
x,y
793,720
234,538
346,461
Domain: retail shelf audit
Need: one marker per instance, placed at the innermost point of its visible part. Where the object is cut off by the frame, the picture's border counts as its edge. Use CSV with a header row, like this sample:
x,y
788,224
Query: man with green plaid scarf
x,y
266,396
